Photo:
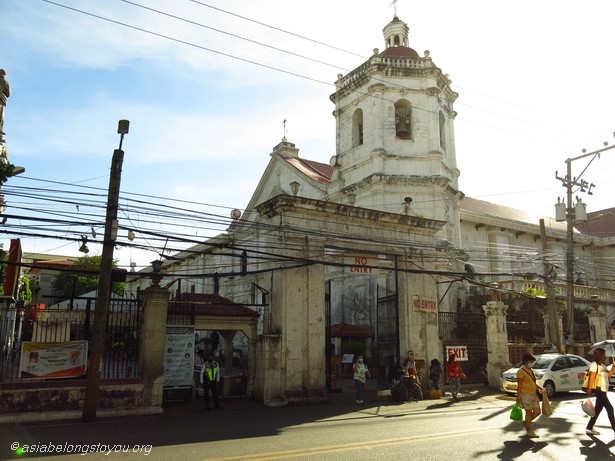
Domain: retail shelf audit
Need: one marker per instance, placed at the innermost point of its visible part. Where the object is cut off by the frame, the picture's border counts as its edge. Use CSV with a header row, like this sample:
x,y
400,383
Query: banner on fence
x,y
53,360
179,356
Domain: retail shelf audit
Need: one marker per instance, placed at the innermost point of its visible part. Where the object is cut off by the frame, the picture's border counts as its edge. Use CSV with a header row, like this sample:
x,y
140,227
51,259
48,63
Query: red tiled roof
x,y
493,209
599,223
319,172
208,305
52,264
56,263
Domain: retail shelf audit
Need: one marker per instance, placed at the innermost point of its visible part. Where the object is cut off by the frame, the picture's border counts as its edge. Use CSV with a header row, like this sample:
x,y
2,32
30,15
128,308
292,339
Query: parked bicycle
x,y
405,387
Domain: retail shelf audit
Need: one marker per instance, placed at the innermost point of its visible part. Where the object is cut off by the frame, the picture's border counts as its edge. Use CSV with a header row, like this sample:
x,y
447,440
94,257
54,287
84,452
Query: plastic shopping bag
x,y
546,405
588,407
516,414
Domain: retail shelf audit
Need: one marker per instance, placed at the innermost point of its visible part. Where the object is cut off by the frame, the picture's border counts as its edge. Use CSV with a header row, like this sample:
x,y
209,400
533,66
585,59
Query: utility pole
x,y
551,308
101,311
569,182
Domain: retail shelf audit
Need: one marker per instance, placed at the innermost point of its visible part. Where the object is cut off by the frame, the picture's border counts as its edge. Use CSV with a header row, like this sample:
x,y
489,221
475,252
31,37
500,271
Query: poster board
x,y
53,360
179,356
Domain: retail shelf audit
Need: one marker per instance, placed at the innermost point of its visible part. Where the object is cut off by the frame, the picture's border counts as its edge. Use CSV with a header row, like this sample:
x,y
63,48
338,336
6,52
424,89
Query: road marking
x,y
287,454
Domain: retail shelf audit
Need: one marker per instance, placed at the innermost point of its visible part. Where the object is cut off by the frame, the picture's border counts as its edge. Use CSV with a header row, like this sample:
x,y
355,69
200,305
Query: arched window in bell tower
x,y
395,40
403,119
357,128
441,124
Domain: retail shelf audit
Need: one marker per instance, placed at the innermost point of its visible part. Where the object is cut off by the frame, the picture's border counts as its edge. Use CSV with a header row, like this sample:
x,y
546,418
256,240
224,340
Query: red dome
x,y
400,51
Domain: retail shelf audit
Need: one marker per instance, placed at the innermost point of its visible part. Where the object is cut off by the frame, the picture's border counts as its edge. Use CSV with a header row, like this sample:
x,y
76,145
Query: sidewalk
x,y
346,397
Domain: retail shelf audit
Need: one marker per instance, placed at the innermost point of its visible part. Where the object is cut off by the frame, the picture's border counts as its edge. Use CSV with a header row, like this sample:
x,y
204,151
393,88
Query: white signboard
x,y
461,352
179,356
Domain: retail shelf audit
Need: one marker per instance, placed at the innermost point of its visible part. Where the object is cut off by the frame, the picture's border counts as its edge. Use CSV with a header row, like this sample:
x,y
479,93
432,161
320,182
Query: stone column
x,y
153,338
597,325
228,360
549,338
560,329
497,341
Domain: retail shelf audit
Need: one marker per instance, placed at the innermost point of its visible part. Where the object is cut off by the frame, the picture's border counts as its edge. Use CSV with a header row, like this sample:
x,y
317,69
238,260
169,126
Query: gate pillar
x,y
497,341
153,338
597,325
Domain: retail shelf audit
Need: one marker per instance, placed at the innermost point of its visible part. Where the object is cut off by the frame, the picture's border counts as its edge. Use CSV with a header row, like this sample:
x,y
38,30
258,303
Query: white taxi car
x,y
554,372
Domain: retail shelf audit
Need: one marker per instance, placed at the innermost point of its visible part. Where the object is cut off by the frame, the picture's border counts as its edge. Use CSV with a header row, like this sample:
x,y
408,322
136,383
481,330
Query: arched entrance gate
x,y
214,313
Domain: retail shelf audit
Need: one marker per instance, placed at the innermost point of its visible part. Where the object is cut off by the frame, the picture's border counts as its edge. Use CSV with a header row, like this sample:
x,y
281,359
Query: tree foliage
x,y
83,278
25,290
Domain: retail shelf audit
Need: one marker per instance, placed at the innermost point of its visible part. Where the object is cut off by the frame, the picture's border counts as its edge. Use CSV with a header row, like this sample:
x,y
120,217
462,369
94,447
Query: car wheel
x,y
550,387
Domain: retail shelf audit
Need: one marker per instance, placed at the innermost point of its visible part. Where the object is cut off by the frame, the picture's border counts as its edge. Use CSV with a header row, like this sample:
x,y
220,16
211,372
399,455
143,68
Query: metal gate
x,y
470,330
387,335
69,321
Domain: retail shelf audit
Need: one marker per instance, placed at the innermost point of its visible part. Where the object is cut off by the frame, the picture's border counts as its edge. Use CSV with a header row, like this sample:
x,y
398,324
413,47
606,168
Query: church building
x,y
373,247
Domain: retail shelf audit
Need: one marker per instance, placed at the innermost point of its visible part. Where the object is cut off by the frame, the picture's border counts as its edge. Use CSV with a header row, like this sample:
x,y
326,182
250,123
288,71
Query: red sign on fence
x,y
461,352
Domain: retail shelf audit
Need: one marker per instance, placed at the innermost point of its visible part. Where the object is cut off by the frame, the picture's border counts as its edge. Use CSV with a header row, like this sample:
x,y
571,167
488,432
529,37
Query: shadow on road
x,y
515,448
596,448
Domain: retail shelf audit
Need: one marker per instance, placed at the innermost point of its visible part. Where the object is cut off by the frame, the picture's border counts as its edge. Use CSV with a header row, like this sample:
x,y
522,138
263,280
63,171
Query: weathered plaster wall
x,y
68,397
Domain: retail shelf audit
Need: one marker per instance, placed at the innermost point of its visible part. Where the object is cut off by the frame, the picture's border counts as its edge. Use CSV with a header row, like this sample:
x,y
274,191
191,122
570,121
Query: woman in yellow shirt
x,y
527,393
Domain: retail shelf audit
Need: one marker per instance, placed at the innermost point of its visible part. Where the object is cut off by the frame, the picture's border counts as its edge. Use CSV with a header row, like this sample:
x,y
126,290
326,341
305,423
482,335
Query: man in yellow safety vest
x,y
210,377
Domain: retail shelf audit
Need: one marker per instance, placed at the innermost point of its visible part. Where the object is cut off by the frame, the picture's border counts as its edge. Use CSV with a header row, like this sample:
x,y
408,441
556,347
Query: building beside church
x,y
380,241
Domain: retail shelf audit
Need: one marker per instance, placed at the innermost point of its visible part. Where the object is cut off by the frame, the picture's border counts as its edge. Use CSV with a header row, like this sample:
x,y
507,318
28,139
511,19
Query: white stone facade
x,y
394,142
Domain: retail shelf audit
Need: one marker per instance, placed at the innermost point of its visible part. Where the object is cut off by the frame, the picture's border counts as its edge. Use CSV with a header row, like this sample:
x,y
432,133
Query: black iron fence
x,y
469,331
45,327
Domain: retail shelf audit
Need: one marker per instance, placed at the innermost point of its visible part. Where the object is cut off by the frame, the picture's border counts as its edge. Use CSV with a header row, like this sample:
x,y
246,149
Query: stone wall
x,y
66,396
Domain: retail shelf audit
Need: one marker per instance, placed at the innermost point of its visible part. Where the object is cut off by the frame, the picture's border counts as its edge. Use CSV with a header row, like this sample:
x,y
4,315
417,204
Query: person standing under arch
x,y
210,379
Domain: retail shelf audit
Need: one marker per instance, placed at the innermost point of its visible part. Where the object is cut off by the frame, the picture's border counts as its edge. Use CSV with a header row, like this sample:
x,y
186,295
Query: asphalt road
x,y
477,428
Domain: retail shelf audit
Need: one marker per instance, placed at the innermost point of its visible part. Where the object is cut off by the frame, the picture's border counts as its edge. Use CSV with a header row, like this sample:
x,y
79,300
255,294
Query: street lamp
x,y
573,214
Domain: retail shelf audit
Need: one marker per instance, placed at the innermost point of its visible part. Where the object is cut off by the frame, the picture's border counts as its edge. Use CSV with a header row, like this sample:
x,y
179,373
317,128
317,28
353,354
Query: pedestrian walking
x,y
210,378
360,375
454,374
529,393
599,385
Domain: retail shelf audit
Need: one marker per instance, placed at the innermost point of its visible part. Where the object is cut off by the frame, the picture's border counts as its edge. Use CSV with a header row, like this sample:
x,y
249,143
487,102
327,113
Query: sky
x,y
208,84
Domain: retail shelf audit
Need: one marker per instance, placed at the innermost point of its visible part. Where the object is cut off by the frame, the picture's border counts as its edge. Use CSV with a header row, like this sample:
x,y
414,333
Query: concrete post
x,y
548,337
153,338
597,325
228,360
497,341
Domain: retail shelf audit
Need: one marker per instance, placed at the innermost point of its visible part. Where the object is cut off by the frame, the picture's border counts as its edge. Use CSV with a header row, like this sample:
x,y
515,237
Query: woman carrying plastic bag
x,y
527,393
516,414
546,405
598,385
588,407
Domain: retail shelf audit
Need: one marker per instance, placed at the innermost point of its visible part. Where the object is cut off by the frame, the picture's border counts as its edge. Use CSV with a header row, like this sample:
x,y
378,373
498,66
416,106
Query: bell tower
x,y
395,144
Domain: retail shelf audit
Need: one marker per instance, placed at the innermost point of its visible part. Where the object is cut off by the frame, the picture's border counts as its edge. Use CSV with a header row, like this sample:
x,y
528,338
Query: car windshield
x,y
542,363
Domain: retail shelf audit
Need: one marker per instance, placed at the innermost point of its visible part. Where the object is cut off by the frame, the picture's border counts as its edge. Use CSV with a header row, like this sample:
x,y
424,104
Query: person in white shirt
x,y
599,386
